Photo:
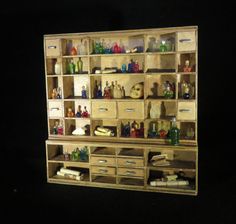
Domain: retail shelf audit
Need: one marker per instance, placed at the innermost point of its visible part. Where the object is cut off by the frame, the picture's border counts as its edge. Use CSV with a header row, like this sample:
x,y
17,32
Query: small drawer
x,y
99,160
186,41
131,110
103,109
186,111
130,172
55,109
103,170
130,162
52,47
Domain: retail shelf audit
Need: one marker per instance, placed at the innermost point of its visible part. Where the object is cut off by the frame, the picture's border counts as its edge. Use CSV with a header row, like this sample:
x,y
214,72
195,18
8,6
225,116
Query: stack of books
x,y
160,160
70,174
169,180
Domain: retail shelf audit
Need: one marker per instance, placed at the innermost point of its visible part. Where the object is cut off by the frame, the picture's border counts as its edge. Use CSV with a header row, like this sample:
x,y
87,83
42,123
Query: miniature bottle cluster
x,y
57,128
102,47
80,113
133,130
163,45
56,93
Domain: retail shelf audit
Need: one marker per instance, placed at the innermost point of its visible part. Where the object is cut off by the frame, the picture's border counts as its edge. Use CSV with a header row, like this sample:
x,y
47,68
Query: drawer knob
x,y
130,162
184,110
103,170
129,172
101,109
129,109
55,108
102,161
52,47
185,40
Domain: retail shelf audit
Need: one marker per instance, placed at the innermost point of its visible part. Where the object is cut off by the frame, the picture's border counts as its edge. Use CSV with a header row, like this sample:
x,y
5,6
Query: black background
x,y
24,189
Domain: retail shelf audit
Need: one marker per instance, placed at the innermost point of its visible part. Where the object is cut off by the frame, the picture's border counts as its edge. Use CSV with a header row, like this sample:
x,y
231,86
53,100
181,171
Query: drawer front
x,y
186,41
130,162
99,160
103,170
52,47
55,109
186,111
131,110
104,109
130,172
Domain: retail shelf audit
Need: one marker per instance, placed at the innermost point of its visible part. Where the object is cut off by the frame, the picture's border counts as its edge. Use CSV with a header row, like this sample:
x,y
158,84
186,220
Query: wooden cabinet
x,y
102,85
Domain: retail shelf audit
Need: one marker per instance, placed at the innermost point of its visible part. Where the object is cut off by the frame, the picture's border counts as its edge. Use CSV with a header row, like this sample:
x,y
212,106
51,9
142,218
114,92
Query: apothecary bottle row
x,y
144,168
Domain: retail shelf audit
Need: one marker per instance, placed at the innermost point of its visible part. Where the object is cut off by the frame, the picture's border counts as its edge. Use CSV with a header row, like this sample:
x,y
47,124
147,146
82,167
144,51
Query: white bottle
x,y
57,68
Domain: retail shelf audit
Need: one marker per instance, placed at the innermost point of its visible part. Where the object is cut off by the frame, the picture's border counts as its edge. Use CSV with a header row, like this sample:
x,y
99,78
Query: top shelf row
x,y
163,43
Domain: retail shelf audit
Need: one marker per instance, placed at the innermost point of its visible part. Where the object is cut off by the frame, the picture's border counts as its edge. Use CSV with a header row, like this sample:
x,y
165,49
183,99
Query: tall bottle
x,y
174,132
80,65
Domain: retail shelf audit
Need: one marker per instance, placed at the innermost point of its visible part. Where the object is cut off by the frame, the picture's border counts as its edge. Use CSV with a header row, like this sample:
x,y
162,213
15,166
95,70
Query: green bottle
x,y
174,132
71,67
80,65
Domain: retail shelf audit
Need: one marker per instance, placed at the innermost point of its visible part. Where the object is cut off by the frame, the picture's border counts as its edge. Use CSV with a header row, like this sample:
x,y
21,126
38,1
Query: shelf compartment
x,y
79,108
186,82
56,127
104,179
54,89
188,130
158,129
161,110
160,63
54,167
104,151
62,153
114,62
154,41
131,128
68,71
73,86
130,152
137,182
182,62
159,174
111,124
156,85
80,44
72,124
50,66
105,44
175,160
128,82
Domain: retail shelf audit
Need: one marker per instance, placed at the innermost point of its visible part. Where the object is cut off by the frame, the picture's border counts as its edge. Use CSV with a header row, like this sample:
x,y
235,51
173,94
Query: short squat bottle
x,y
174,133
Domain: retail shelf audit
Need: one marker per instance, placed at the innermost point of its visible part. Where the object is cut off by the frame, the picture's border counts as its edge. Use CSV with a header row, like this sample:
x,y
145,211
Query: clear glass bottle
x,y
174,132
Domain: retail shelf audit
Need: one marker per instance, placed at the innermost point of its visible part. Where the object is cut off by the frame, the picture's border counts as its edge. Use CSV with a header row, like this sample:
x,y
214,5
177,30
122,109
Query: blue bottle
x,y
123,68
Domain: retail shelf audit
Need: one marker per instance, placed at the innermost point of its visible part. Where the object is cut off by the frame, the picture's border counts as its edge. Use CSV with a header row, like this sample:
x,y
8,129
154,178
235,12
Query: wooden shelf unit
x,y
156,68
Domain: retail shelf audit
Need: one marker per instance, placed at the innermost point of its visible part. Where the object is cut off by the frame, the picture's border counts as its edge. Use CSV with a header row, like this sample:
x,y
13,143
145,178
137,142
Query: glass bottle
x,y
57,68
80,65
71,67
174,132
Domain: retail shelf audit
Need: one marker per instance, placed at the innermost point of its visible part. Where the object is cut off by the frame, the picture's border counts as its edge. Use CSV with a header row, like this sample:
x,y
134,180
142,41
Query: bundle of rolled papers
x,y
71,174
160,160
169,180
103,132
